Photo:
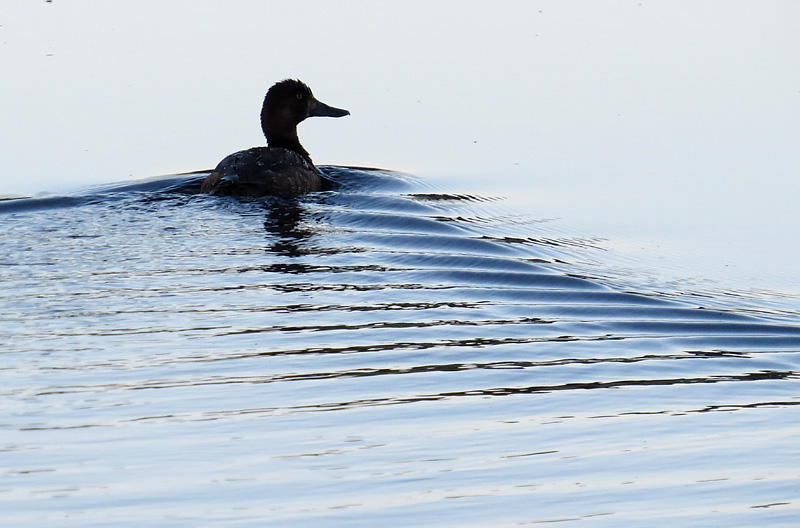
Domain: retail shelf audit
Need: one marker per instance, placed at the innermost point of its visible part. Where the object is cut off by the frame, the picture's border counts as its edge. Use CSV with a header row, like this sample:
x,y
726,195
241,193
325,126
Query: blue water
x,y
385,354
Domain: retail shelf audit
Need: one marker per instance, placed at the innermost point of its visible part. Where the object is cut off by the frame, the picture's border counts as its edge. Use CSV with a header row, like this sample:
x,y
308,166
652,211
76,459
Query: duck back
x,y
261,171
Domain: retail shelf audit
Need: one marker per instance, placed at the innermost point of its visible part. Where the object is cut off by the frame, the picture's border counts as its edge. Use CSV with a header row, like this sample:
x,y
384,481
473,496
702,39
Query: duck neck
x,y
289,142
280,129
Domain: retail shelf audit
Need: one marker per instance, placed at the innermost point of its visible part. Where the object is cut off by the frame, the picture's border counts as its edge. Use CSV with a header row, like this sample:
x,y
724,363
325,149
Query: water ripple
x,y
343,357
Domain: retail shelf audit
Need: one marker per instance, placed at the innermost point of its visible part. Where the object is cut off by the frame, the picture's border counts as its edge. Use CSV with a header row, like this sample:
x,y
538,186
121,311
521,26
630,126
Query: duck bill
x,y
323,110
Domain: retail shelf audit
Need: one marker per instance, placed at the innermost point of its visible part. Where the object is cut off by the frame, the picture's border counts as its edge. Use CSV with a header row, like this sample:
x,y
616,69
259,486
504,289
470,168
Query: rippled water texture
x,y
386,354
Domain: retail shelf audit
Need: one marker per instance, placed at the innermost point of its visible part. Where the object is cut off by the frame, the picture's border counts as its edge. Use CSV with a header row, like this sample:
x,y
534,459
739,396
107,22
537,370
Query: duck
x,y
283,167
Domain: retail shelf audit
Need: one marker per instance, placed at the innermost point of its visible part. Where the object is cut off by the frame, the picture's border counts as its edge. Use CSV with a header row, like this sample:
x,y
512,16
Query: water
x,y
386,354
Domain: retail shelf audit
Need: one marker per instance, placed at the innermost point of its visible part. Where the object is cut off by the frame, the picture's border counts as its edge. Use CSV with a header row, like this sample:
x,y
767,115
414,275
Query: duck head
x,y
286,105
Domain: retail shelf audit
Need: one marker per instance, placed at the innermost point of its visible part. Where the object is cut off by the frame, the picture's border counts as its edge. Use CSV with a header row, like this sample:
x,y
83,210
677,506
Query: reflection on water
x,y
382,354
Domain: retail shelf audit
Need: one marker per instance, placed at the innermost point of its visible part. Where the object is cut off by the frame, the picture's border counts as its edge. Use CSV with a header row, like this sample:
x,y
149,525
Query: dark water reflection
x,y
379,355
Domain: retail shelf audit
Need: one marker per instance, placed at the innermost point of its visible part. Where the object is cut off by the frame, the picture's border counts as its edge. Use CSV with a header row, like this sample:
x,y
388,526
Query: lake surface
x,y
389,353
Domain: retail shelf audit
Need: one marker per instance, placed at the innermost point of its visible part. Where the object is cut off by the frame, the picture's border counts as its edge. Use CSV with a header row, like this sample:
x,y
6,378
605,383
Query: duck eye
x,y
300,96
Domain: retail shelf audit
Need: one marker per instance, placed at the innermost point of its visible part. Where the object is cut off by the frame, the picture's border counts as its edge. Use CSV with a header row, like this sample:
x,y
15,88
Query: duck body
x,y
263,171
283,167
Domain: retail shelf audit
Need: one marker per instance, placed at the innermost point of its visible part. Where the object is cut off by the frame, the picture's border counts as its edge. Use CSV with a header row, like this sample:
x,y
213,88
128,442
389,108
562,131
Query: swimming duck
x,y
284,166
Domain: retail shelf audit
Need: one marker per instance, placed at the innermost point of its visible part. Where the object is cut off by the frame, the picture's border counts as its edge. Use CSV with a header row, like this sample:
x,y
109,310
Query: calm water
x,y
387,354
